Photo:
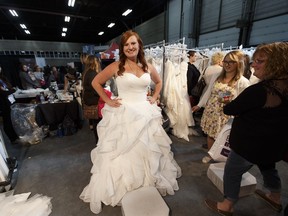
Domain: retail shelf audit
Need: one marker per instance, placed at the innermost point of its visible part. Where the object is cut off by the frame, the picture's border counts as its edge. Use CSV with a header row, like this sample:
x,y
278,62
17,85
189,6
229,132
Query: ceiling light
x,y
67,18
23,26
127,12
71,3
101,33
64,29
63,34
111,25
27,31
13,12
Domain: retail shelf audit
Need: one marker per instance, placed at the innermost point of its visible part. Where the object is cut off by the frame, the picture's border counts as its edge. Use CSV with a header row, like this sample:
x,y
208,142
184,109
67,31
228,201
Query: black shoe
x,y
205,146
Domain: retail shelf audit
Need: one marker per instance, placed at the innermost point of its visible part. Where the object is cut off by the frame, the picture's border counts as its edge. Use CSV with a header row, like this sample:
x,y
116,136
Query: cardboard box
x,y
215,173
144,201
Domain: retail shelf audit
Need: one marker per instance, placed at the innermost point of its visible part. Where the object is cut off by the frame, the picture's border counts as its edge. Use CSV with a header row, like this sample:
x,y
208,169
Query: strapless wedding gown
x,y
133,148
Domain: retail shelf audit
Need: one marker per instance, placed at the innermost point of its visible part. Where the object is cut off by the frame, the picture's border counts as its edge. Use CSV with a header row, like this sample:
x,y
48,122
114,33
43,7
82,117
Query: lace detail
x,y
277,92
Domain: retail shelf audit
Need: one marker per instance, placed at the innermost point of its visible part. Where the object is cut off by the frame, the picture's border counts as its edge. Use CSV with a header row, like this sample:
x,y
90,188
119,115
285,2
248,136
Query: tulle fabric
x,y
21,204
133,149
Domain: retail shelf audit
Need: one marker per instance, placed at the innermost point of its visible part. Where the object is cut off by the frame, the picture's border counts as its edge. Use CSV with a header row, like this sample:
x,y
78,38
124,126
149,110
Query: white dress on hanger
x,y
185,118
176,98
133,148
170,93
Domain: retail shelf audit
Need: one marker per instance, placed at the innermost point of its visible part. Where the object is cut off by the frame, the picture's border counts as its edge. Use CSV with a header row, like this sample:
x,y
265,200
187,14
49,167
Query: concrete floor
x,y
60,168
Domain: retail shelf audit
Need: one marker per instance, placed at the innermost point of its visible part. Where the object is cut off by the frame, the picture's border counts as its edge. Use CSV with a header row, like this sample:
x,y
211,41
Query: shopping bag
x,y
221,148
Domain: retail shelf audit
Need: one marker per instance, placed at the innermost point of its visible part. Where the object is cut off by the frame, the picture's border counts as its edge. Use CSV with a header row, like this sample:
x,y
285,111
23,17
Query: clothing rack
x,y
176,41
160,43
165,46
232,48
219,45
177,46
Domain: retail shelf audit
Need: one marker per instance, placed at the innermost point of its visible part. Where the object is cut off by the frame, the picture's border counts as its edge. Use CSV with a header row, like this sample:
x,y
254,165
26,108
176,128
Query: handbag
x,y
197,90
90,112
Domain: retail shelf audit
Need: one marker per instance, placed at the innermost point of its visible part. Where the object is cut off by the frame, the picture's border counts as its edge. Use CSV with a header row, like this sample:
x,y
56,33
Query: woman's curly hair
x,y
277,63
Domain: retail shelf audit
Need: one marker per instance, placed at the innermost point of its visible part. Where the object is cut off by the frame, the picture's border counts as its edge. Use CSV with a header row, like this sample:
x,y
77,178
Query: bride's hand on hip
x,y
151,100
114,102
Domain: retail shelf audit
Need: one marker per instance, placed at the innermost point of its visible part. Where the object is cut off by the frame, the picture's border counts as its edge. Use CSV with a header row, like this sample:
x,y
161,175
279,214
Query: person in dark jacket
x,y
193,75
90,96
6,100
259,130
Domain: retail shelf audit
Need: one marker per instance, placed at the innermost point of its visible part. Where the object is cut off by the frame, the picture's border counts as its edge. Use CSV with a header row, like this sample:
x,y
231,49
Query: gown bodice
x,y
132,88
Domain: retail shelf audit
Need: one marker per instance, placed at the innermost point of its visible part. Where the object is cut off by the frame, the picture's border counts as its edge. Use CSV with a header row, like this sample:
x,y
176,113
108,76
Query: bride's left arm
x,y
158,83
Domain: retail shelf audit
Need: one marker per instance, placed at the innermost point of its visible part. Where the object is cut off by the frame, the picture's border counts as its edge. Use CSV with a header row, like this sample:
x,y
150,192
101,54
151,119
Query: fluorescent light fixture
x,y
64,29
63,34
67,18
13,12
127,12
71,3
111,25
23,26
101,33
27,32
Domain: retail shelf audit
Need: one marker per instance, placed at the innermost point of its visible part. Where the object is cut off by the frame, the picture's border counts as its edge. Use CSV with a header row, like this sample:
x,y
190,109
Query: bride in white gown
x,y
133,149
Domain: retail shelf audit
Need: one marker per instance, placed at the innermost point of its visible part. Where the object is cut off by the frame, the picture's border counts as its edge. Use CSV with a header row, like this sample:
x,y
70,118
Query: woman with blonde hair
x,y
215,66
226,86
259,133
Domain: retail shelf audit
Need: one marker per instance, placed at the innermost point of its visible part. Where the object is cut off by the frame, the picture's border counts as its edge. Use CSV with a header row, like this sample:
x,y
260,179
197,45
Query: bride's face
x,y
131,47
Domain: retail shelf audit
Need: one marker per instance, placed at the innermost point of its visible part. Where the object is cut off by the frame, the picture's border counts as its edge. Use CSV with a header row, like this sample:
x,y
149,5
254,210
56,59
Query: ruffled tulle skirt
x,y
133,151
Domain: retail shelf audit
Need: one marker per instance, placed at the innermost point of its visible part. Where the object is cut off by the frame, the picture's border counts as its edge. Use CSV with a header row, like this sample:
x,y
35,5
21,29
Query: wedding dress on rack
x,y
175,94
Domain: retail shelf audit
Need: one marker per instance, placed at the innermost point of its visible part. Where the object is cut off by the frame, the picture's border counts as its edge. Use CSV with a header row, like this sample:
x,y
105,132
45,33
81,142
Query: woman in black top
x,y
259,131
90,96
193,75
